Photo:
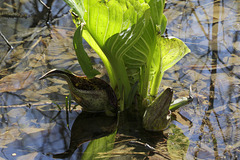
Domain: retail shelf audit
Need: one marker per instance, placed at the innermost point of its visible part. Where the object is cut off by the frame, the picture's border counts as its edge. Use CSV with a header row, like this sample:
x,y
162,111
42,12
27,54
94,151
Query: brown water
x,y
32,127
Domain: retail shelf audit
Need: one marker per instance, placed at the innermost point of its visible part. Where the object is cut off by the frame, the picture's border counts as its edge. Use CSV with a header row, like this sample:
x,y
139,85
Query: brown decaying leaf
x,y
181,119
16,81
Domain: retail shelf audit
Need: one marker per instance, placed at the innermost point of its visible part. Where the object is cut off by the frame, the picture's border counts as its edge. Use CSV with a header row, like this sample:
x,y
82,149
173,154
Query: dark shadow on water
x,y
86,127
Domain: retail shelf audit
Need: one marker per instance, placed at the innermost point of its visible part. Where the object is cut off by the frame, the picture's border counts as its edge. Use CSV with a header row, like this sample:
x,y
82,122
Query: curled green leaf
x,y
82,56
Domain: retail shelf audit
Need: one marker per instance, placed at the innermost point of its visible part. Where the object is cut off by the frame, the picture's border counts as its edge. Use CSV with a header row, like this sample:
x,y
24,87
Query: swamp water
x,y
33,127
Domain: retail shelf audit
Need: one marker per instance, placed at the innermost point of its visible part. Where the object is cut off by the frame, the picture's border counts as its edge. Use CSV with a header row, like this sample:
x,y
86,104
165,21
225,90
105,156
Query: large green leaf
x,y
171,49
107,18
117,26
87,36
138,58
82,56
163,24
124,34
103,19
77,7
130,53
167,52
157,7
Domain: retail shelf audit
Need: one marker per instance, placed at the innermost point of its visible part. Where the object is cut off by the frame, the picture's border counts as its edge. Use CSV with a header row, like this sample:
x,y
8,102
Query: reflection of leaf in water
x,y
57,80
29,130
32,126
9,136
61,63
62,90
36,59
47,125
19,112
235,108
28,156
64,56
236,45
97,146
54,89
32,95
59,43
15,56
16,81
61,33
177,143
68,56
119,152
233,60
21,125
48,90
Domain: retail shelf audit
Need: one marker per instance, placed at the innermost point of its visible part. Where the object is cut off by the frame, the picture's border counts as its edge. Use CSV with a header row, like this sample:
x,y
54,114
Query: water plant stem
x,y
156,83
121,79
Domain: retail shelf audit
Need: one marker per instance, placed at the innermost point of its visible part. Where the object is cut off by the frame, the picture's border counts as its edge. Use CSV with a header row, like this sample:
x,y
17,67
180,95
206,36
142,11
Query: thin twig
x,y
150,148
49,13
44,4
5,39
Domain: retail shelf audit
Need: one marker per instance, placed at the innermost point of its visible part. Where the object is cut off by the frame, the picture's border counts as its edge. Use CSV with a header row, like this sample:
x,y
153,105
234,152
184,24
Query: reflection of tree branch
x,y
211,106
9,50
41,14
60,10
220,128
198,20
4,102
44,4
213,73
206,121
212,89
49,13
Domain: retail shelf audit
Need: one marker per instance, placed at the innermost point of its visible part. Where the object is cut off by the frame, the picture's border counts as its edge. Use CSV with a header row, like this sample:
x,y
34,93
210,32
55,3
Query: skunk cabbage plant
x,y
127,36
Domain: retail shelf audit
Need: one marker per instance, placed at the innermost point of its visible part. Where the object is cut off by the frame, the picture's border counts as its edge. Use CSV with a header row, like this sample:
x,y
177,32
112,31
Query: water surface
x,y
33,127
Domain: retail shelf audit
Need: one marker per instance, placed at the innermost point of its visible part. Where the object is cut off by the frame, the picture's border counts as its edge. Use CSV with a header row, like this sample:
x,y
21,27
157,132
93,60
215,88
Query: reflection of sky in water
x,y
212,34
209,30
